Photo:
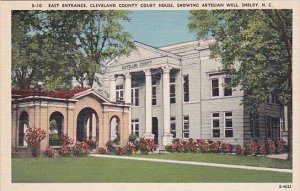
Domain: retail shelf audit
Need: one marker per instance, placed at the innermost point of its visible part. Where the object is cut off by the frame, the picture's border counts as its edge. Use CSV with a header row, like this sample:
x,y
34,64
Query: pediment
x,y
142,52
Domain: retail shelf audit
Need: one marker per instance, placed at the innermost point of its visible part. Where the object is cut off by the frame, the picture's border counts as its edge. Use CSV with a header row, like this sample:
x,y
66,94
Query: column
x,y
167,137
112,94
148,105
128,97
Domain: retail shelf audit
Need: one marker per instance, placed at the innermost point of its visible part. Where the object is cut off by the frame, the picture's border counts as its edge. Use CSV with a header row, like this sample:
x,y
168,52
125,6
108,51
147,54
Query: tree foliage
x,y
56,47
260,41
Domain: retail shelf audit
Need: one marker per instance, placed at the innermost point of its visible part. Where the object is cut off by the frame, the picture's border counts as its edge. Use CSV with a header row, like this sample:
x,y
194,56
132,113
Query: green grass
x,y
92,169
224,159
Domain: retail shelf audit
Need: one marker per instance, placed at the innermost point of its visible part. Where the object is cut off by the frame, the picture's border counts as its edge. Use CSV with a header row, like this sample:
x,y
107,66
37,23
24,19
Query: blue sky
x,y
159,28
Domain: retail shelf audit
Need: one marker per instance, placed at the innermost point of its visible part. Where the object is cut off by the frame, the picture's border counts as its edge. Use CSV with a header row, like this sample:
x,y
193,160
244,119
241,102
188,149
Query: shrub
x,y
80,149
103,150
240,150
214,146
120,150
132,148
49,152
147,145
203,145
67,144
110,147
226,148
280,146
270,146
133,139
33,137
253,148
91,144
262,150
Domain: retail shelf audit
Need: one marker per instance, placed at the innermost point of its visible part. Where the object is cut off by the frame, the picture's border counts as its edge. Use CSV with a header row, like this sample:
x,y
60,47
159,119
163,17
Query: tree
x,y
59,46
260,41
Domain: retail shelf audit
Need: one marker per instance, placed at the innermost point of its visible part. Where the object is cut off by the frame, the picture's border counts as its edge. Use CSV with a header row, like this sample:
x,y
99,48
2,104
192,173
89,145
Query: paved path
x,y
195,163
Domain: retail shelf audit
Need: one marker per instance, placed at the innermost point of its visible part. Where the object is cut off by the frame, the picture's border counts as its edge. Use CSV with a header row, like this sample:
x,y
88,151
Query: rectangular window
x,y
227,90
215,87
172,89
272,127
186,96
228,124
154,85
119,93
135,94
186,127
173,126
135,129
216,125
254,125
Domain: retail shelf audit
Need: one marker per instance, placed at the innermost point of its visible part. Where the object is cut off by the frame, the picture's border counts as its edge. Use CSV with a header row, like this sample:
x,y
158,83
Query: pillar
x,y
167,137
128,97
148,113
112,95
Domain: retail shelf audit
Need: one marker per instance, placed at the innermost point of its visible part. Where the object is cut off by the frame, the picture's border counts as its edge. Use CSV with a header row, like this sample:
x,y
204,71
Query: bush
x,y
110,147
103,150
214,146
67,144
133,139
119,150
262,150
270,146
280,146
80,149
49,152
147,145
33,137
240,150
226,148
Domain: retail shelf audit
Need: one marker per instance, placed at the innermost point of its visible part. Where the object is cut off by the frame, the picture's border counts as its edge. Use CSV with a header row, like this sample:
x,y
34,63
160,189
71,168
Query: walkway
x,y
195,163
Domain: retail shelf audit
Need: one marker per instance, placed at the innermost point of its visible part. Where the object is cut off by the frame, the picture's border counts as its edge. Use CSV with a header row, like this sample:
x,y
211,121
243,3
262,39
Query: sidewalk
x,y
195,163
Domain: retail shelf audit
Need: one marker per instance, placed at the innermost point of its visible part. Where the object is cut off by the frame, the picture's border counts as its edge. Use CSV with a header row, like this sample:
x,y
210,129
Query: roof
x,y
67,94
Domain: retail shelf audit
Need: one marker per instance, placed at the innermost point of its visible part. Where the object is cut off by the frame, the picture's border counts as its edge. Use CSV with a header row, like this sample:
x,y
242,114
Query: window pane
x,y
216,115
215,92
215,83
228,123
216,123
229,133
228,114
216,132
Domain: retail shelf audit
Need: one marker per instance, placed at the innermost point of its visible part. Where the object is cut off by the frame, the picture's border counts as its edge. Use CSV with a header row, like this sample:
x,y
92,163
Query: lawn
x,y
97,170
224,159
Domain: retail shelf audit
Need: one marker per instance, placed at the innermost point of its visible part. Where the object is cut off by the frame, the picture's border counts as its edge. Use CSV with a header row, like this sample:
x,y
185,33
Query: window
x,y
215,87
273,127
135,129
173,126
186,96
228,124
254,125
135,93
154,85
227,90
186,127
215,125
172,89
119,93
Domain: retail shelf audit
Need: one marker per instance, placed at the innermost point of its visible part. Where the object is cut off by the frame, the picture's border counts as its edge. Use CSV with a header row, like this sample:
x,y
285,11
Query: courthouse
x,y
178,91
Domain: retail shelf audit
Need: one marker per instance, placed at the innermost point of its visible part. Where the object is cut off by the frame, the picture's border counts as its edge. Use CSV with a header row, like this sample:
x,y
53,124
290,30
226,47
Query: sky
x,y
159,28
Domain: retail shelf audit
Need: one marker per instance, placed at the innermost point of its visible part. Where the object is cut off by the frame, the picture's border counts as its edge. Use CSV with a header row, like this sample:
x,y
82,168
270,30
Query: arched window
x,y
56,122
115,129
23,125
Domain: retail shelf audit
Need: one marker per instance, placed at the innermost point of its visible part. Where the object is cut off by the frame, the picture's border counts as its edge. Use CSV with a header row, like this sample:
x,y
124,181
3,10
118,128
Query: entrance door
x,y
155,129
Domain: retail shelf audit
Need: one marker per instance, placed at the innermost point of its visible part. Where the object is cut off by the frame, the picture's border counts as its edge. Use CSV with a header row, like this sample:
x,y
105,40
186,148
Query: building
x,y
178,91
81,114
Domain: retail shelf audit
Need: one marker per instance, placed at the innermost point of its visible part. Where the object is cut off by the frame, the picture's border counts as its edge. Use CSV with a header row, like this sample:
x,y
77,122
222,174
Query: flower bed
x,y
201,145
